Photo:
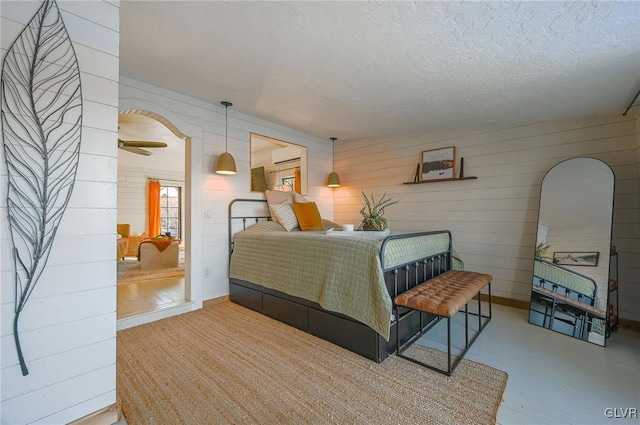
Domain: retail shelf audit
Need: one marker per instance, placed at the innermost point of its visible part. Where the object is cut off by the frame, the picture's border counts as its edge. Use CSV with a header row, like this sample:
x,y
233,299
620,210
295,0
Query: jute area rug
x,y
229,365
128,271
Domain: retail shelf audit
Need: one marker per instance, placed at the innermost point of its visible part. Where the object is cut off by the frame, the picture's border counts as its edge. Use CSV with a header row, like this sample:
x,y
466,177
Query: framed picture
x,y
439,164
576,258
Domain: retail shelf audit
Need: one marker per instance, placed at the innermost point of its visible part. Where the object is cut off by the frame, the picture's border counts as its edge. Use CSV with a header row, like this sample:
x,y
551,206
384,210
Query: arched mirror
x,y
571,265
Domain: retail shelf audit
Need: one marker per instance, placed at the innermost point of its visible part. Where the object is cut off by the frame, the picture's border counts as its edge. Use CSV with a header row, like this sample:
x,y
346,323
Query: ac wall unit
x,y
285,155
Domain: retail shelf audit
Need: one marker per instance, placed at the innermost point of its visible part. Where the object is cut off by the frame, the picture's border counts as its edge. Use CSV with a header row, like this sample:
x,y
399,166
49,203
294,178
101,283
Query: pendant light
x,y
333,180
226,163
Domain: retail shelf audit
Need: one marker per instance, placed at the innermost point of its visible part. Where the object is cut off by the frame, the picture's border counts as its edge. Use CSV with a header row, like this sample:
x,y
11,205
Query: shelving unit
x,y
612,308
443,180
448,179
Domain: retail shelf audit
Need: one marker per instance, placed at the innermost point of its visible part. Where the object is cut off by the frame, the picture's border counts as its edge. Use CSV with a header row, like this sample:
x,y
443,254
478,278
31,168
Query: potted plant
x,y
373,213
541,249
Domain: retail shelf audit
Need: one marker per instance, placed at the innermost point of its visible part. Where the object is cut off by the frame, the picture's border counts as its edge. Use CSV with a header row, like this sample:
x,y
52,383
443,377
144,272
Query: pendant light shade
x,y
226,163
334,179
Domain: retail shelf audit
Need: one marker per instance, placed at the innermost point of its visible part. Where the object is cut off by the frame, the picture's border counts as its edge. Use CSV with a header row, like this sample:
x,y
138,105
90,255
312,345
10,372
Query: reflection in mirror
x,y
571,266
277,165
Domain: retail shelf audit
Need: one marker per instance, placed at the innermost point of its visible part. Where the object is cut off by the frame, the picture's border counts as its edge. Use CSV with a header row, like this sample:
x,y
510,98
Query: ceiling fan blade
x,y
134,149
141,143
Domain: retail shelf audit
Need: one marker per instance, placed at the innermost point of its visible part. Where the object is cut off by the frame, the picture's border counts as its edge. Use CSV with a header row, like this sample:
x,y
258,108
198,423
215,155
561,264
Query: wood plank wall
x,y
494,218
68,325
133,194
191,116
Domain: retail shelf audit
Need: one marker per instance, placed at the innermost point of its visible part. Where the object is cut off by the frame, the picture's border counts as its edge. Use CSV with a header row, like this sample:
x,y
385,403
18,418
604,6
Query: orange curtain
x,y
297,184
154,208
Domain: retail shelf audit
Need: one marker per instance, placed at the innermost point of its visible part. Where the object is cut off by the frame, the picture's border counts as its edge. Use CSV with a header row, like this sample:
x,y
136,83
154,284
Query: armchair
x,y
122,244
124,230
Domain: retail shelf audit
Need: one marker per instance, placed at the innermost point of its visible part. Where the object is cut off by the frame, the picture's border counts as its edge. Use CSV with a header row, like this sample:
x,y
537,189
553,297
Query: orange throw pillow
x,y
308,215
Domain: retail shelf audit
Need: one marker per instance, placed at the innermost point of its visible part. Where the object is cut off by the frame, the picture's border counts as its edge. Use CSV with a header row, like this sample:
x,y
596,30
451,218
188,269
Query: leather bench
x,y
443,296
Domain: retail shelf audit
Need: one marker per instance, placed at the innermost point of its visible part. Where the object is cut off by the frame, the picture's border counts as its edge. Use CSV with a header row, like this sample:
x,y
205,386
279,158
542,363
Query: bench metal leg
x,y
466,325
479,311
450,367
489,290
449,346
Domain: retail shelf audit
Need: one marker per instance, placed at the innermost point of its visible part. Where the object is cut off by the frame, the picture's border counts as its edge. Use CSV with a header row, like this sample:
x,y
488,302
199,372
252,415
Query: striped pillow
x,y
279,197
285,215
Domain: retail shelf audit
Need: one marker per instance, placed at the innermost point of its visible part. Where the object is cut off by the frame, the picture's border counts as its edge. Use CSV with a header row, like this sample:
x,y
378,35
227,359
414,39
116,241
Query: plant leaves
x,y
41,130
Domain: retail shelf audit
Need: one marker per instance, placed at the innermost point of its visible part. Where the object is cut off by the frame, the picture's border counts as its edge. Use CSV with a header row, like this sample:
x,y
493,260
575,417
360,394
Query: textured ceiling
x,y
358,70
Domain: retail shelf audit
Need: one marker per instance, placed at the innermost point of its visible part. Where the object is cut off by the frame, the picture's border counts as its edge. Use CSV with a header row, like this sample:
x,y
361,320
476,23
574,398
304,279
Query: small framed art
x,y
576,258
439,164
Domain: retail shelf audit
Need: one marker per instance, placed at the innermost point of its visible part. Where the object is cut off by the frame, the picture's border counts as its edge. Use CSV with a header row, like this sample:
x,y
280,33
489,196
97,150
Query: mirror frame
x,y
273,168
604,256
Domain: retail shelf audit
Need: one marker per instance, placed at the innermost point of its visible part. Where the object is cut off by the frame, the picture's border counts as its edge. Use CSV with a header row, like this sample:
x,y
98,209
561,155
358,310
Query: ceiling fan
x,y
134,146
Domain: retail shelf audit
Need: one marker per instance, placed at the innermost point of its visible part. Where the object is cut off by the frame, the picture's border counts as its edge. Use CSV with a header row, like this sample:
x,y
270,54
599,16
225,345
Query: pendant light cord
x,y
226,124
226,129
333,153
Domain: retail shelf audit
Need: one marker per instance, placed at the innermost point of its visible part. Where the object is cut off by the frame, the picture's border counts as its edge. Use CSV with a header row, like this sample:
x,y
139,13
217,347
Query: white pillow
x,y
284,214
275,197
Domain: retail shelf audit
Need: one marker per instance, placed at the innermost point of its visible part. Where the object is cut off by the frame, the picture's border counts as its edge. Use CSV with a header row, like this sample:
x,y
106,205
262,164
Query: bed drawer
x,y
286,311
349,334
245,297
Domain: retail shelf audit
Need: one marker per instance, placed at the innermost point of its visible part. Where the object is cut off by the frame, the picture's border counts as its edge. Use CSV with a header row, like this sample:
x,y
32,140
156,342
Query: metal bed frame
x,y
573,307
334,327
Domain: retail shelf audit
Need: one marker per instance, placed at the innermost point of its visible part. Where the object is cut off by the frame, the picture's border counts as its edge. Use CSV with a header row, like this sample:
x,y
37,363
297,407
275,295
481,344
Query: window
x,y
170,211
289,182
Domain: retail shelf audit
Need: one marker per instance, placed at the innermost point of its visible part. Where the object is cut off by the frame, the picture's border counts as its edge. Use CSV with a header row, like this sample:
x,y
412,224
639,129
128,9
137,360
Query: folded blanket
x,y
160,243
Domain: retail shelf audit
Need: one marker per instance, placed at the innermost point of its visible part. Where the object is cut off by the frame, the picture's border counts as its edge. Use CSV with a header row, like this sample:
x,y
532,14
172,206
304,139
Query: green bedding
x,y
553,274
342,274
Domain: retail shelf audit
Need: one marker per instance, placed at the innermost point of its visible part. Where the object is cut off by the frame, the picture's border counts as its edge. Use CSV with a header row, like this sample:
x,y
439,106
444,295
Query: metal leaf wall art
x,y
41,131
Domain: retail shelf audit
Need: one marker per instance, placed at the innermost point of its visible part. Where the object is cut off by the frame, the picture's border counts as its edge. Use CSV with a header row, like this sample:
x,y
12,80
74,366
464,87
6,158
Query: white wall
x,y
493,219
67,328
632,263
216,191
133,194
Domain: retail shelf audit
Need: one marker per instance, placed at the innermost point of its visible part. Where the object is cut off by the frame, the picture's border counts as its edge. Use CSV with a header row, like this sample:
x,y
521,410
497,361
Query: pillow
x,y
308,215
275,197
265,227
284,215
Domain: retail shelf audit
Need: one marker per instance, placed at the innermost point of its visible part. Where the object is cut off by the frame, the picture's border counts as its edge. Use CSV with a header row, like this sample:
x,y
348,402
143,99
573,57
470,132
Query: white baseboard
x,y
140,319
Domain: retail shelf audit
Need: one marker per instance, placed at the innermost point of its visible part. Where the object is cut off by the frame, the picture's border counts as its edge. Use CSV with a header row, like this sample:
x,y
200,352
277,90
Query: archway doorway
x,y
155,277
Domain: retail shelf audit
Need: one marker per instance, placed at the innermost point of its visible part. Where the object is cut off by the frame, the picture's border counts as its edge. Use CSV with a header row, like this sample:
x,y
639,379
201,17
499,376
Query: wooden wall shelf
x,y
450,179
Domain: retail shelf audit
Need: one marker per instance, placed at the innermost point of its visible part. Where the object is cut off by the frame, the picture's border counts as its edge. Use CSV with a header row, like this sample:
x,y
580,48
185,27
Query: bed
x,y
335,286
567,295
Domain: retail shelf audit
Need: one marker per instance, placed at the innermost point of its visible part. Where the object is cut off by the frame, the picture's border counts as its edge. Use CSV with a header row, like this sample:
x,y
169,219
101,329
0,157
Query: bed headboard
x,y
240,210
